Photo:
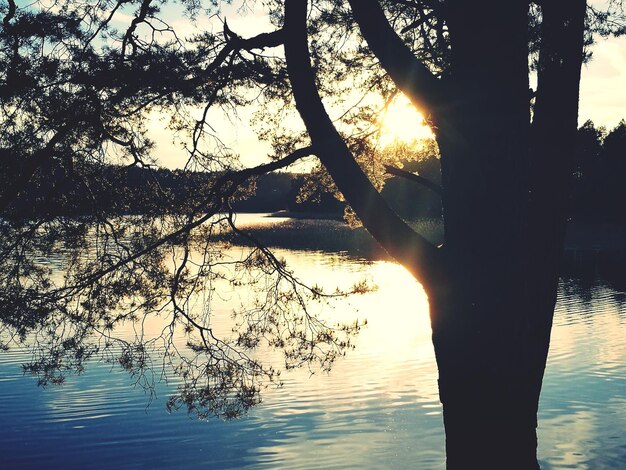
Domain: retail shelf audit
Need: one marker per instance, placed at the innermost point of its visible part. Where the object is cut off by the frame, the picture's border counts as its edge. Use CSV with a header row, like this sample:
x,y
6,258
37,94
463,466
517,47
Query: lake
x,y
378,408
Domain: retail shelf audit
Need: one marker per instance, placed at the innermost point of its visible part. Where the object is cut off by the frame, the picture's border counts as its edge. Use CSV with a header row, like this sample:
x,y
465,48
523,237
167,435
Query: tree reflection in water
x,y
77,289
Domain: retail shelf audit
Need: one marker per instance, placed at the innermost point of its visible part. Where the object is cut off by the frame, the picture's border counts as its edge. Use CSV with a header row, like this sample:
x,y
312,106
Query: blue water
x,y
377,409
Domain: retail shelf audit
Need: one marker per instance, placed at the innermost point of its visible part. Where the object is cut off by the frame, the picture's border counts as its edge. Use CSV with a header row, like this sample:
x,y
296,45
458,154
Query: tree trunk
x,y
492,288
491,320
505,194
491,363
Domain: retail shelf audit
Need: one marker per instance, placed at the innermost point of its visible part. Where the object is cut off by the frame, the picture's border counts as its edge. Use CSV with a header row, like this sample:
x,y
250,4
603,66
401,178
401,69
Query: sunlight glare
x,y
402,123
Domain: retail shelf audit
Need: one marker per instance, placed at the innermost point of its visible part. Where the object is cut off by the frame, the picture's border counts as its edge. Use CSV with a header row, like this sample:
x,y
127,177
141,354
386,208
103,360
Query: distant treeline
x,y
135,190
598,190
599,183
57,190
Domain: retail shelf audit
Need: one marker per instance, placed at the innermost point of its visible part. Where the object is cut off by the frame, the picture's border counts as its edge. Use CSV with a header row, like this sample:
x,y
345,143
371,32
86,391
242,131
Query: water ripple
x,y
378,408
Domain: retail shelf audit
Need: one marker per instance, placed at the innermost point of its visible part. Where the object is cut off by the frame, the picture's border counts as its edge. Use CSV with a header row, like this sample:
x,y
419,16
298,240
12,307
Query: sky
x,y
602,97
603,84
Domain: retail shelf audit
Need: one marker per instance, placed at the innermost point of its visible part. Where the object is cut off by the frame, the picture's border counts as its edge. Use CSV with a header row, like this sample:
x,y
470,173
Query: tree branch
x,y
235,44
260,41
140,18
418,22
556,100
10,14
408,73
105,23
392,170
224,188
409,248
558,74
554,122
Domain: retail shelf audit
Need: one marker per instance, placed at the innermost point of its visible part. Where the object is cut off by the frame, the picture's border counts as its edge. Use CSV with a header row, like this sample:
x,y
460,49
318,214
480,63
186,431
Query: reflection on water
x,y
377,409
583,405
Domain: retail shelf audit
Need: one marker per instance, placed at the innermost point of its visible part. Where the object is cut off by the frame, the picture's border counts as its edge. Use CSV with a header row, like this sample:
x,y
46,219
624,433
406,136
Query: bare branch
x,y
140,18
10,14
408,73
417,23
104,23
392,170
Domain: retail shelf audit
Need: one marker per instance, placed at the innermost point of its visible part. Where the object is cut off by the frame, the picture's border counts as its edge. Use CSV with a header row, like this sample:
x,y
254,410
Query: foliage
x,y
598,191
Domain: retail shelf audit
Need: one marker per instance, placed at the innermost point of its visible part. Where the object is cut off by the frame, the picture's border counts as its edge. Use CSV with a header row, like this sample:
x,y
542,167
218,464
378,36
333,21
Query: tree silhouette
x,y
599,173
77,92
614,157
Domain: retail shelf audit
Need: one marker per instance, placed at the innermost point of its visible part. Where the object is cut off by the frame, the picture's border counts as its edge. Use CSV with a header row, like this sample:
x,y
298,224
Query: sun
x,y
402,123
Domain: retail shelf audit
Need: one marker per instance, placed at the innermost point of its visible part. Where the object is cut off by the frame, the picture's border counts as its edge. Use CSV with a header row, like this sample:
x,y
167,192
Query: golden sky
x,y
602,96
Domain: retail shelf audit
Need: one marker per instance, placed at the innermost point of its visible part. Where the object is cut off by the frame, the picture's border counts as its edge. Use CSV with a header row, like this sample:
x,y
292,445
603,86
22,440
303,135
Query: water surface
x,y
378,408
